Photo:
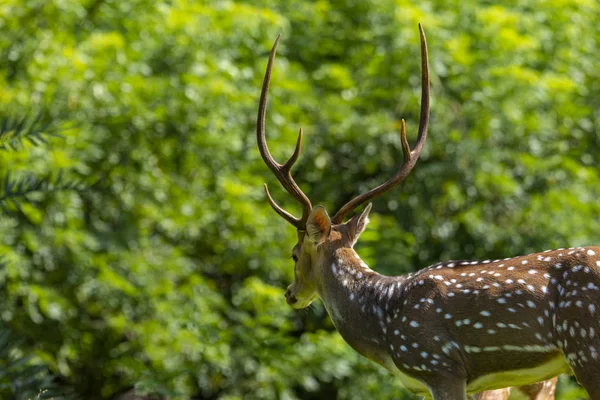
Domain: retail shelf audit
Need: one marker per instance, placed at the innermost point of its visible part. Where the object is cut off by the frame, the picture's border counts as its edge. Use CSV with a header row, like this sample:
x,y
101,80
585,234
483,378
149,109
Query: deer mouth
x,y
299,304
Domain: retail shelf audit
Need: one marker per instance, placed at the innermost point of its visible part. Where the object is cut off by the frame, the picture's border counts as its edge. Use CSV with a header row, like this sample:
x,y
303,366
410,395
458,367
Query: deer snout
x,y
289,297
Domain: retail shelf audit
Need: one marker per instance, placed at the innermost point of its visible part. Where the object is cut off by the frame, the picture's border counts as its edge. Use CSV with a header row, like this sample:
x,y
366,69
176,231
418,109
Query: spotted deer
x,y
455,327
536,391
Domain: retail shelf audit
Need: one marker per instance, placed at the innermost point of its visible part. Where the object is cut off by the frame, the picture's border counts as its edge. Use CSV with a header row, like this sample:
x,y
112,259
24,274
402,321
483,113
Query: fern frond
x,y
21,188
14,131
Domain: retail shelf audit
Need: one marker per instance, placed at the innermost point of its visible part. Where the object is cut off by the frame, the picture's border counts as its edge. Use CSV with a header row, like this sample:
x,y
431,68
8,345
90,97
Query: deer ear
x,y
358,223
318,225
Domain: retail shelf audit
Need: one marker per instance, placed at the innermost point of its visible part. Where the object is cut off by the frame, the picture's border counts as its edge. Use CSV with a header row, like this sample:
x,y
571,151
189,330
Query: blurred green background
x,y
169,276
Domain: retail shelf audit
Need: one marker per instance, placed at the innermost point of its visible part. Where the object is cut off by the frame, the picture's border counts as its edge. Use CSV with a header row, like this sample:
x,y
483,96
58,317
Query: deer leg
x,y
583,355
588,376
578,334
540,390
498,394
449,390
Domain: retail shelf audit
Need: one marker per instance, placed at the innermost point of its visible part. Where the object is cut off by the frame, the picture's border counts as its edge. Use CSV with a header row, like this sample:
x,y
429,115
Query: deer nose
x,y
288,296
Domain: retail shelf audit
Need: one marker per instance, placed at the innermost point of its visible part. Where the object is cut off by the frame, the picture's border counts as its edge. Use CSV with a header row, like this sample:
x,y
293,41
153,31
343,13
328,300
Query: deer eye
x,y
294,258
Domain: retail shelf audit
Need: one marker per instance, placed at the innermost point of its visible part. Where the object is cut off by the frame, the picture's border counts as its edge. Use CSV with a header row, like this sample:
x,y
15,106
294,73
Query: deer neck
x,y
359,301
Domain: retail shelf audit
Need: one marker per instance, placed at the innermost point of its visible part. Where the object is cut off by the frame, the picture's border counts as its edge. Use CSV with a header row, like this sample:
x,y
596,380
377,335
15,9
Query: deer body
x,y
459,315
455,327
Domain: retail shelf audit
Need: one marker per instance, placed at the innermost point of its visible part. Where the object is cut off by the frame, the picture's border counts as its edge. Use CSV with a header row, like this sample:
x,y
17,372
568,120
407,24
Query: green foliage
x,y
14,131
170,279
21,378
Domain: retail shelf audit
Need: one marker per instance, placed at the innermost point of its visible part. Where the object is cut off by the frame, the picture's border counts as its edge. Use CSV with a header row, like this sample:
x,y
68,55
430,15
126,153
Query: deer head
x,y
318,235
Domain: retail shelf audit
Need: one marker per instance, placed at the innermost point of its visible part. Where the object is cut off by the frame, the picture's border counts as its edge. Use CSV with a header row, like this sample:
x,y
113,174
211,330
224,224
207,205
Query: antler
x,y
410,156
281,171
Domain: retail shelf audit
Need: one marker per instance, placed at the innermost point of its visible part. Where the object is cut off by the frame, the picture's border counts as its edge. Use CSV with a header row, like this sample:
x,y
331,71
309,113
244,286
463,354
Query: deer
x,y
454,328
536,391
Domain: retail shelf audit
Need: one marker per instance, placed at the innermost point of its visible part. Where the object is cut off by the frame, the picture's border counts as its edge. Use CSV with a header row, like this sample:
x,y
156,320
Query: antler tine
x,y
410,157
424,117
281,171
279,210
